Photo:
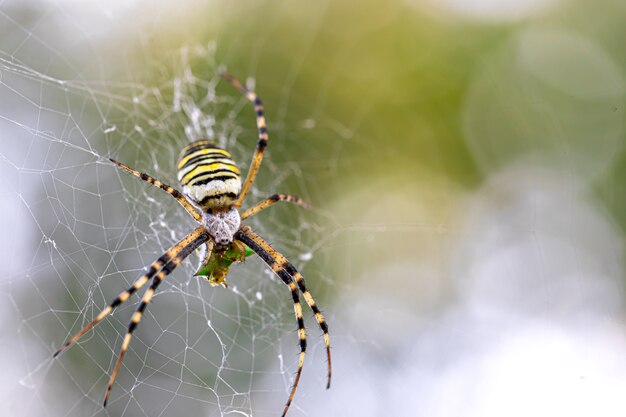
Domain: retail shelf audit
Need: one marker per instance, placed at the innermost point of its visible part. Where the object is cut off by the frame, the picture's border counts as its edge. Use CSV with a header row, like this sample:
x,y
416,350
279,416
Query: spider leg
x,y
261,144
168,189
189,244
282,267
152,270
262,205
262,251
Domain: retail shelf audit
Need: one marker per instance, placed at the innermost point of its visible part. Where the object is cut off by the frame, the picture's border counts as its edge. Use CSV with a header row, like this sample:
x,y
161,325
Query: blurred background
x,y
464,162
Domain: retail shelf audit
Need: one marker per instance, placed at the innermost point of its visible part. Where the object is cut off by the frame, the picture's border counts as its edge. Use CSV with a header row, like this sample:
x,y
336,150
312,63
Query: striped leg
x,y
280,265
190,243
164,259
262,251
271,200
261,144
170,190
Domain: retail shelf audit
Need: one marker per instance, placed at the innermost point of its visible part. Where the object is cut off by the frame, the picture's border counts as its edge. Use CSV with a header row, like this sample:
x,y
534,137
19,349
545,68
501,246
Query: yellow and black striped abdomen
x,y
208,175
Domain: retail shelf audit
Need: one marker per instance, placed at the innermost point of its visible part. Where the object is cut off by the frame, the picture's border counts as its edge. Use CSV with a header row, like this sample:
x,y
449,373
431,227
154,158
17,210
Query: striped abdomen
x,y
208,175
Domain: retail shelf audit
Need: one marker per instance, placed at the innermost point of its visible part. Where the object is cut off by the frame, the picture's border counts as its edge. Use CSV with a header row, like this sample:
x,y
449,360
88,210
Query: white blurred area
x,y
531,323
488,11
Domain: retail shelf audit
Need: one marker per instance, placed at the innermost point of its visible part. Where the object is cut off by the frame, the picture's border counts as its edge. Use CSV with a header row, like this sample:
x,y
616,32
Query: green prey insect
x,y
212,193
217,263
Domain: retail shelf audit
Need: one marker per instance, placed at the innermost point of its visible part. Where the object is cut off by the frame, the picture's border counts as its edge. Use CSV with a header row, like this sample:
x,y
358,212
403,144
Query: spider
x,y
212,185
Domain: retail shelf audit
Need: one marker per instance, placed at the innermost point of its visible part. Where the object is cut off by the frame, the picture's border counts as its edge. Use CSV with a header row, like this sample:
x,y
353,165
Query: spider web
x,y
198,350
466,237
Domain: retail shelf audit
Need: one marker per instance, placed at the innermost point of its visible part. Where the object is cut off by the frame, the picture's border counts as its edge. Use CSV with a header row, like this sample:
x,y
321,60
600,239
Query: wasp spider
x,y
212,194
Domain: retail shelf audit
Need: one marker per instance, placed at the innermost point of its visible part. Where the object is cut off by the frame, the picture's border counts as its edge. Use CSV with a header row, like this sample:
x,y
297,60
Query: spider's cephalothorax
x,y
212,183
